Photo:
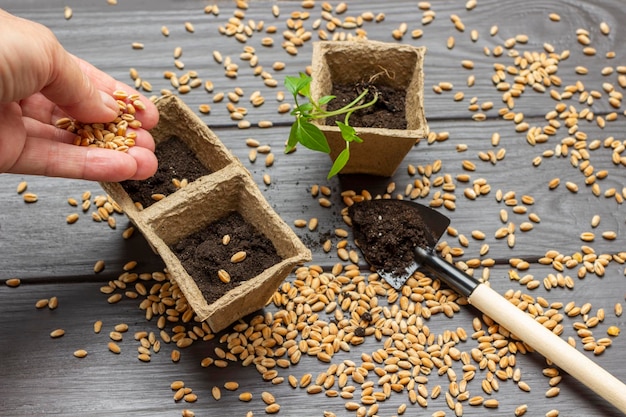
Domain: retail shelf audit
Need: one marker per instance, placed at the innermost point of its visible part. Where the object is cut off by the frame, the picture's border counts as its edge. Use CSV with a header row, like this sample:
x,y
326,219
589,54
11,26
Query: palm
x,y
13,126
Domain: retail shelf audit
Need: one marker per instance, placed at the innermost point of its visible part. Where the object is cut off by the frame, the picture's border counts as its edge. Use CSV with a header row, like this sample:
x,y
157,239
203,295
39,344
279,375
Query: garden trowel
x,y
383,230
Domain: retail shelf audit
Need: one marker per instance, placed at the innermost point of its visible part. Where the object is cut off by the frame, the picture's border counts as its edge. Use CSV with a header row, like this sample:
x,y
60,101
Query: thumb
x,y
70,88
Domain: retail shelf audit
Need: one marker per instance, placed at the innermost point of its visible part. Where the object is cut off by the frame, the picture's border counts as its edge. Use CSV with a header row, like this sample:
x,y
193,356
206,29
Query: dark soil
x,y
387,112
203,254
176,160
386,231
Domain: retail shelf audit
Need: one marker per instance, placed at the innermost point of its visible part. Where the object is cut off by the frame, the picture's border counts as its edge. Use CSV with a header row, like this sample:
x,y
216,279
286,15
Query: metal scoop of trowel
x,y
398,237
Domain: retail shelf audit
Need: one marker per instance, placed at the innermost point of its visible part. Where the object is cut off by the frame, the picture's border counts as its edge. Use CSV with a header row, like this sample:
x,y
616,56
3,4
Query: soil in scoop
x,y
203,253
176,160
386,231
387,112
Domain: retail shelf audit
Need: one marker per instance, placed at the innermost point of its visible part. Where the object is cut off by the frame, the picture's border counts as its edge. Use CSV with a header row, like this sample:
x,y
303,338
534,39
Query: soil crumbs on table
x,y
176,161
386,231
203,254
387,112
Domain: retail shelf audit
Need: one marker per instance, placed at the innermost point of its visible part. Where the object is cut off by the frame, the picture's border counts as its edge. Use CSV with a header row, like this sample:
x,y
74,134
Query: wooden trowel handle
x,y
526,329
550,345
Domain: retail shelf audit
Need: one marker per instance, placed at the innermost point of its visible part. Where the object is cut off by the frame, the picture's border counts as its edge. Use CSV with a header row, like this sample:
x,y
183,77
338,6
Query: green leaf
x,y
340,162
303,109
293,136
326,99
311,136
298,85
295,84
305,89
348,132
291,84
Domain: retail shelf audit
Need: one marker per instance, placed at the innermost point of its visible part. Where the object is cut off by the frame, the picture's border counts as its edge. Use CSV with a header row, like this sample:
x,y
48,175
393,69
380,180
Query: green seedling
x,y
308,134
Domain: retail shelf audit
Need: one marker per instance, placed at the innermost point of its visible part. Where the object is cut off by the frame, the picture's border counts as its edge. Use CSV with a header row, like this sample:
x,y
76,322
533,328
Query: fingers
x,y
34,61
112,166
11,135
144,140
103,82
147,162
40,107
104,85
37,112
37,129
76,87
72,90
57,159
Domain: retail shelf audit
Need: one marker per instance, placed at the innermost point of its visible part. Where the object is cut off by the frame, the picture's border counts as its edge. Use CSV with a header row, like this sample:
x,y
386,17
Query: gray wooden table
x,y
40,376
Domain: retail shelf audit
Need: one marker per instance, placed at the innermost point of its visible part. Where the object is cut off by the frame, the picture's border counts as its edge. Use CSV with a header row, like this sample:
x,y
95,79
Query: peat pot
x,y
394,65
228,188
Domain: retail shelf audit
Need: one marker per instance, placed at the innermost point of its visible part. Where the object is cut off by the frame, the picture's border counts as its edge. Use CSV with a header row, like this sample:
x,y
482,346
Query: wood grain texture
x,y
41,377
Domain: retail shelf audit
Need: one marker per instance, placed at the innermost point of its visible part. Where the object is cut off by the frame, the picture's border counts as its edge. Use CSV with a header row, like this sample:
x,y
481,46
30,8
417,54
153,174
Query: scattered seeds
x,y
553,392
245,396
231,385
30,197
57,333
216,393
238,257
114,347
98,266
223,276
613,331
13,282
604,28
115,298
80,353
21,187
609,235
72,218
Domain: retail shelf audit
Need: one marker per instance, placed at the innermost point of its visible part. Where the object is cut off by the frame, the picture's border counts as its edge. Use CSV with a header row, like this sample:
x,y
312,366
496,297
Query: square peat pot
x,y
224,192
396,65
229,188
177,120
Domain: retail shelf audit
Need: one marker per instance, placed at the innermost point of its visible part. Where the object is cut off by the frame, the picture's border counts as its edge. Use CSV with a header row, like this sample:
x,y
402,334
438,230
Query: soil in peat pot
x,y
176,160
386,232
204,253
388,111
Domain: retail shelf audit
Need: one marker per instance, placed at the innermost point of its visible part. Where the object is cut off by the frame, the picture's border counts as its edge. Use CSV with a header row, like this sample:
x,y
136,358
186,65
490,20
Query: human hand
x,y
40,82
